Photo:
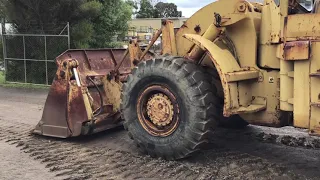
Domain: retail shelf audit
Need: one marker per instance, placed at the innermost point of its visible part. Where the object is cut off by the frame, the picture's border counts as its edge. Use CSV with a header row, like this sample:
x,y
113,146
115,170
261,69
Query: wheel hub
x,y
160,109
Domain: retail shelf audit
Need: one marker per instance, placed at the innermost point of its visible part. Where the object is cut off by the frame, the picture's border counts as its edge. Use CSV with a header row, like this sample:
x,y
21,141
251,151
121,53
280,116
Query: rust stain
x,y
160,109
169,108
70,107
76,111
103,61
297,50
226,107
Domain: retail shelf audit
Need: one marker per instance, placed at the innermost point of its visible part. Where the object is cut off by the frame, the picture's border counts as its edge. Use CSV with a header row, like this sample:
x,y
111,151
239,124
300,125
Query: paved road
x,y
248,154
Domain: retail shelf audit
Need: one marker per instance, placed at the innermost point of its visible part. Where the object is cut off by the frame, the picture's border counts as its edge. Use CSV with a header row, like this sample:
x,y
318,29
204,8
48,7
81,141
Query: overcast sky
x,y
189,7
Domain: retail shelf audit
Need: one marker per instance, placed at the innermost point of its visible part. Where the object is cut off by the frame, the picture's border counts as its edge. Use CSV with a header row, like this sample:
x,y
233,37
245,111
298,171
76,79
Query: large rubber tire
x,y
199,111
233,122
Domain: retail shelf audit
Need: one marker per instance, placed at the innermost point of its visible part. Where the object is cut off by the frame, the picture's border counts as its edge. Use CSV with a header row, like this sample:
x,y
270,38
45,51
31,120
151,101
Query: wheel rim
x,y
158,111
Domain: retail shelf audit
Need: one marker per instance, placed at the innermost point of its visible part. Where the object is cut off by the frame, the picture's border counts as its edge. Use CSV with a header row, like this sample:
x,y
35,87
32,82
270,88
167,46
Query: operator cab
x,y
302,6
316,7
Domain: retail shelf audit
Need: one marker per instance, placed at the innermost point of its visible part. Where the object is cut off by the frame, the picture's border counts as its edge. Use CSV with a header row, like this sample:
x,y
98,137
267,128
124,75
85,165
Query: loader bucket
x,y
83,98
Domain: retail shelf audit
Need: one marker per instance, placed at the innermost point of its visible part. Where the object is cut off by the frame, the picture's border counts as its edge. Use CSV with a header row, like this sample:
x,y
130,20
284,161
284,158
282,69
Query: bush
x,y
2,77
1,56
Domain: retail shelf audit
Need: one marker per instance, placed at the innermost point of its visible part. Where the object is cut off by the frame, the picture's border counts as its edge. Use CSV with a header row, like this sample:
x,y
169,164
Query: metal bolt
x,y
62,74
197,28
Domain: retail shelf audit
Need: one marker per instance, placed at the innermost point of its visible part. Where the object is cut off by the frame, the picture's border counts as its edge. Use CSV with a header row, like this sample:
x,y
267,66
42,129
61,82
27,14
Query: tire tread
x,y
202,97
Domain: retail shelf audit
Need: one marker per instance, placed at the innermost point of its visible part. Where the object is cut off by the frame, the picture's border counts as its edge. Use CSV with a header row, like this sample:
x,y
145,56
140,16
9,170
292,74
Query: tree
x,y
155,9
146,9
111,23
47,16
85,17
93,24
2,8
1,56
134,6
164,10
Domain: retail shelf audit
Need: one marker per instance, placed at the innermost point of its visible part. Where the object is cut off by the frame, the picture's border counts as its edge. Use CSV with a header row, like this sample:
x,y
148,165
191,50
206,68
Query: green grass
x,y
3,83
2,77
24,86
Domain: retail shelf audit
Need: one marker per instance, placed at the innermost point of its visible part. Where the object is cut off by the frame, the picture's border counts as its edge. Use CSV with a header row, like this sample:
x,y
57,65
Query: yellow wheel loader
x,y
232,62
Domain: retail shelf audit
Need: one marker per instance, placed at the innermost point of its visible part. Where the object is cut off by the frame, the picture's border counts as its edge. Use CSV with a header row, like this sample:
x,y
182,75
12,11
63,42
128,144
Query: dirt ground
x,y
253,153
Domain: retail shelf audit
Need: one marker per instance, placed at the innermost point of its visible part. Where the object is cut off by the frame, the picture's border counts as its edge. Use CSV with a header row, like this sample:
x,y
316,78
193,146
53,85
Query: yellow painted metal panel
x,y
268,56
270,91
168,39
301,93
270,33
286,84
211,34
302,26
245,92
243,34
315,89
224,62
244,37
204,17
270,23
234,95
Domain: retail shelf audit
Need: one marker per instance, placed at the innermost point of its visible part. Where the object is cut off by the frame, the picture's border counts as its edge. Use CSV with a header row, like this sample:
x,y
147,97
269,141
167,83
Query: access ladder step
x,y
316,74
242,75
251,108
315,104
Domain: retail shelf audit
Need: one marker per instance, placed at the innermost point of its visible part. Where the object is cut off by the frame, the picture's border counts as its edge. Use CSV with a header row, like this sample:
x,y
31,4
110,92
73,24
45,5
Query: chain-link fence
x,y
30,58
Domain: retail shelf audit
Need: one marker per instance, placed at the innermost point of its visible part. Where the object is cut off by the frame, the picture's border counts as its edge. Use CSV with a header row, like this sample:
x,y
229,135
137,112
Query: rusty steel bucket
x,y
83,98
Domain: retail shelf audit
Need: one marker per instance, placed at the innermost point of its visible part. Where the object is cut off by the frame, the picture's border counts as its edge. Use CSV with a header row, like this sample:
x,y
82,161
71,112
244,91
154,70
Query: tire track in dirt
x,y
79,162
112,155
91,158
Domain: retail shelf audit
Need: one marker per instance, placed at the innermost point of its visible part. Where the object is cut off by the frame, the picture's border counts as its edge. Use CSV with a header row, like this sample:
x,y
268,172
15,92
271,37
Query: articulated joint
x,y
69,71
70,63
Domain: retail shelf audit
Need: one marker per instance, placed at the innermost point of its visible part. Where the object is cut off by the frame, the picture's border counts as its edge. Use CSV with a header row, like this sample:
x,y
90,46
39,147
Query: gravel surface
x,y
253,153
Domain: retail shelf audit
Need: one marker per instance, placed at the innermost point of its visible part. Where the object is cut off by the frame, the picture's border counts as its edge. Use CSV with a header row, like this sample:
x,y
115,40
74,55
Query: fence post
x,y
4,48
25,40
69,35
46,59
25,61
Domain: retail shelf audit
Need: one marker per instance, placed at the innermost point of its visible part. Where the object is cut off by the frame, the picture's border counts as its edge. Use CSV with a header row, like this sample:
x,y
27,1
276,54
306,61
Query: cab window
x,y
307,4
